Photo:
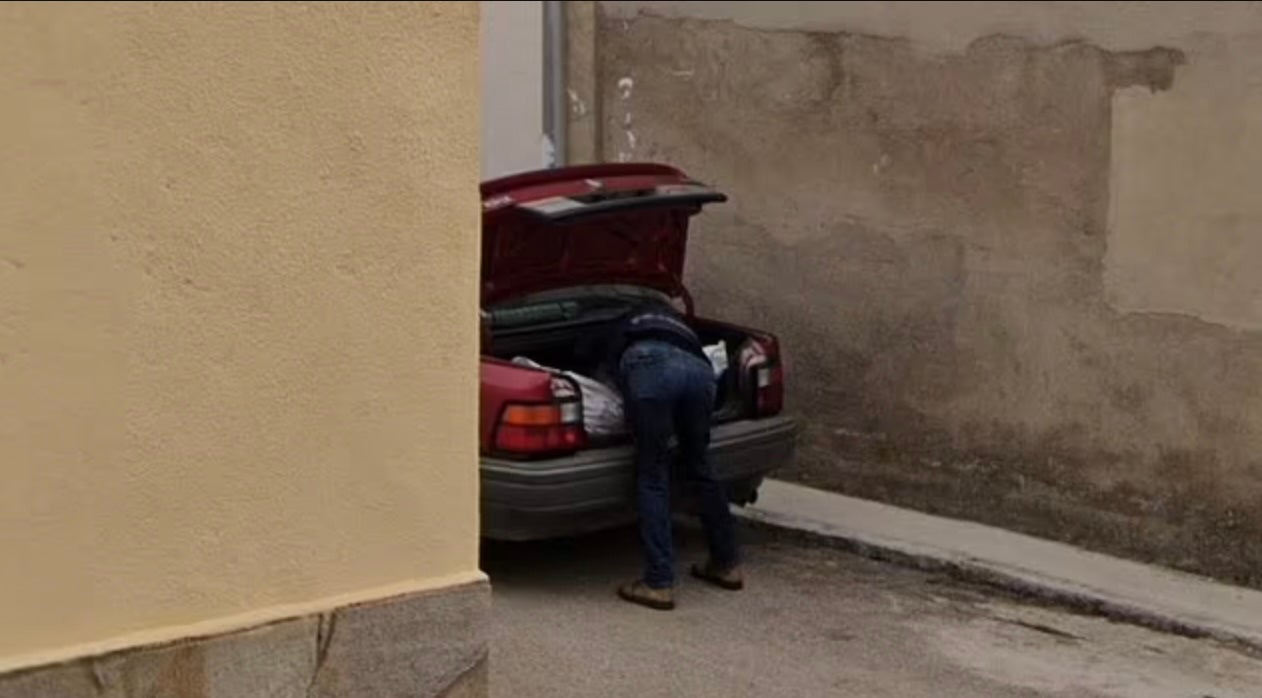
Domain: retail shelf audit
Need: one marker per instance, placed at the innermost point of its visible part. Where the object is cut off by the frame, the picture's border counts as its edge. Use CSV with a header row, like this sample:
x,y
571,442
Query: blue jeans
x,y
670,392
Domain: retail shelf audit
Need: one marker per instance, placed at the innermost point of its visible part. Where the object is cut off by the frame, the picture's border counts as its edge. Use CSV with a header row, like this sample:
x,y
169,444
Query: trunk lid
x,y
593,224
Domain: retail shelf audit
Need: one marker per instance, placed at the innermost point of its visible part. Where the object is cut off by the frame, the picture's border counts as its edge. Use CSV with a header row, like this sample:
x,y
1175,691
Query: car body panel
x,y
587,225
595,488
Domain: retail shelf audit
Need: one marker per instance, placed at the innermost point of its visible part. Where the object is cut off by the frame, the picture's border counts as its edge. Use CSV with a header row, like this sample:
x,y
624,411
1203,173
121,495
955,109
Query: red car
x,y
564,251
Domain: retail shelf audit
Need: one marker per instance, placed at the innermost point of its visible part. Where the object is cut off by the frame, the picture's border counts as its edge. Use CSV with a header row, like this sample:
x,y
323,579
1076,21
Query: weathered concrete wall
x,y
1007,246
238,291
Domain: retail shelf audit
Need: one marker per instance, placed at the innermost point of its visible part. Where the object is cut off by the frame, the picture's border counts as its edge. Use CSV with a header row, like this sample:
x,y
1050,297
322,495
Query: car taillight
x,y
760,360
769,389
551,428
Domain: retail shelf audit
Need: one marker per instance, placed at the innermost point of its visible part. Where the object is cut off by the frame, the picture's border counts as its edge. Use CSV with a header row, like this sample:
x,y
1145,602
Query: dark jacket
x,y
645,322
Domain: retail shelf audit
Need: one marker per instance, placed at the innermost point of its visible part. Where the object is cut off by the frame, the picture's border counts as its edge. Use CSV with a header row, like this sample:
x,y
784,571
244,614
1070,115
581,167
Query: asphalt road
x,y
816,622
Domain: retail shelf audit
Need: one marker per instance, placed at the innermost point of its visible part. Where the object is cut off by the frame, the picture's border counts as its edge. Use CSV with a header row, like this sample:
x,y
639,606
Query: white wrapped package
x,y
717,354
603,415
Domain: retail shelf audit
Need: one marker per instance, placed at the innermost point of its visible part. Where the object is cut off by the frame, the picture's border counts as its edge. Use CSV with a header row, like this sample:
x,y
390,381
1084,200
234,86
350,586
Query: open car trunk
x,y
556,333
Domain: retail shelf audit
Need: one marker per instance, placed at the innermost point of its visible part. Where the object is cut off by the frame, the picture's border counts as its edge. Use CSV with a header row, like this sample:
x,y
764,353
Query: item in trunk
x,y
603,415
717,353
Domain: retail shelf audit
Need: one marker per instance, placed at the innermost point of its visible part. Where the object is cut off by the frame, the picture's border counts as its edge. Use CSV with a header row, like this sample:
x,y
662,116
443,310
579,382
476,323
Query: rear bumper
x,y
595,489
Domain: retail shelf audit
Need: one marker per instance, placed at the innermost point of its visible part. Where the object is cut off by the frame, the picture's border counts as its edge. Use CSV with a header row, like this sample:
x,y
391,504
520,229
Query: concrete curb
x,y
1121,590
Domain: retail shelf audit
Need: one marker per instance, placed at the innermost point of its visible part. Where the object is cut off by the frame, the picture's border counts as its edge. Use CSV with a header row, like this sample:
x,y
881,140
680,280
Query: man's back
x,y
651,320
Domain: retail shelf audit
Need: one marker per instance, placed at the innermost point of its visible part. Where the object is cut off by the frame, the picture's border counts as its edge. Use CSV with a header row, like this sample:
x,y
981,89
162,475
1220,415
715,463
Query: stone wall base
x,y
419,645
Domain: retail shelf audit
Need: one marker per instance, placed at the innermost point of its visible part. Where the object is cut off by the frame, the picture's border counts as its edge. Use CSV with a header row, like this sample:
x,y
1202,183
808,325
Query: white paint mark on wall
x,y
548,150
577,106
628,154
625,87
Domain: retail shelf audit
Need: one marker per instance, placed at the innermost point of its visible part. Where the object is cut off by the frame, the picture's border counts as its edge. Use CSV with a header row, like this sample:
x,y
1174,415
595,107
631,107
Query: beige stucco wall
x,y
238,282
1009,246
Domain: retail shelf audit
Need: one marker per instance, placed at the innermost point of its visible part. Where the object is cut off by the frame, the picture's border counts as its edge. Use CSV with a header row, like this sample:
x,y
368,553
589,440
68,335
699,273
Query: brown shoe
x,y
730,579
644,595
